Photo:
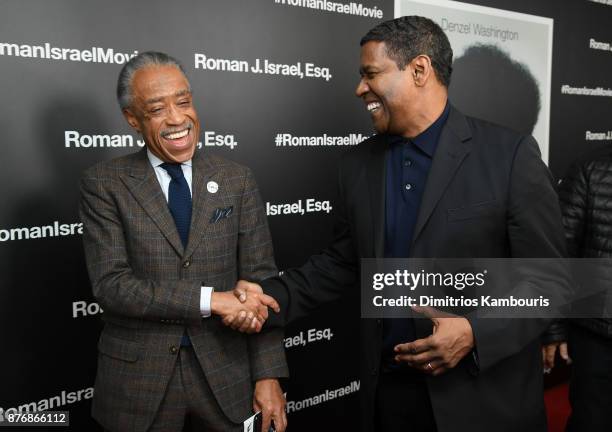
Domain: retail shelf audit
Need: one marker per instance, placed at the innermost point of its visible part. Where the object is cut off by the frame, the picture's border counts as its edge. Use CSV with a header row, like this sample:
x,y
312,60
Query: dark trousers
x,y
591,381
403,404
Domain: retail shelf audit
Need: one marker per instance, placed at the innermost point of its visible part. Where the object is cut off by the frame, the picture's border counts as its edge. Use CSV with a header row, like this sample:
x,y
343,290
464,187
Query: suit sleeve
x,y
256,263
323,278
534,231
115,286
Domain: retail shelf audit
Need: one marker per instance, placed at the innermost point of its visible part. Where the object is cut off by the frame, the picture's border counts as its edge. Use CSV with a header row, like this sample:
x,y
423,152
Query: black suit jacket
x,y
488,194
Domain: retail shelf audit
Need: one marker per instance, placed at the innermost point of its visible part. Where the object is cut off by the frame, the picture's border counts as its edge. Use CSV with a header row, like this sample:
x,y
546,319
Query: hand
x,y
244,291
226,305
243,287
452,339
548,355
268,398
253,312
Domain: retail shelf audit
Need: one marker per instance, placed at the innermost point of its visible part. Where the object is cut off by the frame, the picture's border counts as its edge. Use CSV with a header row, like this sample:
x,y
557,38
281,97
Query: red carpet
x,y
557,407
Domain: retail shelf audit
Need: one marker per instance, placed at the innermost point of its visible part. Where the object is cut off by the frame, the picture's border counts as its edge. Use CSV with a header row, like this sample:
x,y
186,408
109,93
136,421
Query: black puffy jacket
x,y
586,205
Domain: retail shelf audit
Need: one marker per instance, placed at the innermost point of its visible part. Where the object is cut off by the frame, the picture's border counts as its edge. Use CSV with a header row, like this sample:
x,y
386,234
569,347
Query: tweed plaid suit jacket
x,y
149,286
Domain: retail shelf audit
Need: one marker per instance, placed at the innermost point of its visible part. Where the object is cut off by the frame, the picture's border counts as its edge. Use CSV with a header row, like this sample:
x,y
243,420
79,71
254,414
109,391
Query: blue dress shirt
x,y
407,166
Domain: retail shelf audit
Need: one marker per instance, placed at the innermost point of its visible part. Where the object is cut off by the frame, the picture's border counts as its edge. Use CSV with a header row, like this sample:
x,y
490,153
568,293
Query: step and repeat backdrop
x,y
274,84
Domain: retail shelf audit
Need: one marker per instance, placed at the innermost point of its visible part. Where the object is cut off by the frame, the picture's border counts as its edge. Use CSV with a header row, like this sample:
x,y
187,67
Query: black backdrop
x,y
48,319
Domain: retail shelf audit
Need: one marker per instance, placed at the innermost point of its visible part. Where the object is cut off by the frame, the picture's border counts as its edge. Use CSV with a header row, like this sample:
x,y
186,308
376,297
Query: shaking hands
x,y
245,309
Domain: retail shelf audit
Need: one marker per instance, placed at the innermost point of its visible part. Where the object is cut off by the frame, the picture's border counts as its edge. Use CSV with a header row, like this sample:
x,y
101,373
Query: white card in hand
x,y
249,424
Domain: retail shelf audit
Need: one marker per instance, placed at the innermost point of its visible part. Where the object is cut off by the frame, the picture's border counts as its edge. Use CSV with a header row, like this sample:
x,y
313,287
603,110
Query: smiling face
x,y
390,94
162,111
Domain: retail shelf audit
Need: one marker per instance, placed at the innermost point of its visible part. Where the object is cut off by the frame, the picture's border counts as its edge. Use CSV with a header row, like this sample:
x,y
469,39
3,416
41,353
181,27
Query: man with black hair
x,y
433,183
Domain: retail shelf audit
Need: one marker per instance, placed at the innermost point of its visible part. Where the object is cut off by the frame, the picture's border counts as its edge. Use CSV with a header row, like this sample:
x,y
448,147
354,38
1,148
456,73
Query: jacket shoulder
x,y
500,144
503,134
112,168
596,161
226,165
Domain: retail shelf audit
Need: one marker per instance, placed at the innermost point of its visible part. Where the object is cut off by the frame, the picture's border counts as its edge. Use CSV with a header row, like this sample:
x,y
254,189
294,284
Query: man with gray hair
x,y
167,231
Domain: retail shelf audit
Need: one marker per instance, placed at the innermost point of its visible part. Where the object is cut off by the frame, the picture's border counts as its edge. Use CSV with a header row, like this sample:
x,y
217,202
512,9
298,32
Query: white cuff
x,y
205,296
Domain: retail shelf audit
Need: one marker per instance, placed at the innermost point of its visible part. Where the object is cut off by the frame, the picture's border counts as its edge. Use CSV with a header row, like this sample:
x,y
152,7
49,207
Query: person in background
x,y
586,204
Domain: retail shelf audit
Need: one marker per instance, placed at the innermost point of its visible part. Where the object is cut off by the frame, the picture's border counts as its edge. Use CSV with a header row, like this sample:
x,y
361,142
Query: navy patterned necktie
x,y
179,200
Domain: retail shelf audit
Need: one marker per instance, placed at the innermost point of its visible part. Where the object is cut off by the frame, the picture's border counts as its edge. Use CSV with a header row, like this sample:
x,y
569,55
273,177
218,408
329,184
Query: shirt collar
x,y
427,141
155,161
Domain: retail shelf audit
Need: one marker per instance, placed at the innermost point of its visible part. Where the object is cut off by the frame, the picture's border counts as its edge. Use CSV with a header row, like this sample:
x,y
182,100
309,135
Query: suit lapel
x,y
376,171
203,171
144,186
453,146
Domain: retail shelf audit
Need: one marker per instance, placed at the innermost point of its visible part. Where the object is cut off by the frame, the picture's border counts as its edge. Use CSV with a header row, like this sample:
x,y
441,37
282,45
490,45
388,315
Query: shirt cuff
x,y
205,296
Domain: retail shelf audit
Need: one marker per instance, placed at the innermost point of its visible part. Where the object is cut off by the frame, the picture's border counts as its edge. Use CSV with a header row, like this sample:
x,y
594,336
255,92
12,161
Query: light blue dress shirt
x,y
164,181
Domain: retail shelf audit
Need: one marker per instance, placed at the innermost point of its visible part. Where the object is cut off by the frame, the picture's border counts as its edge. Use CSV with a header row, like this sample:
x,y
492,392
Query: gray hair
x,y
142,60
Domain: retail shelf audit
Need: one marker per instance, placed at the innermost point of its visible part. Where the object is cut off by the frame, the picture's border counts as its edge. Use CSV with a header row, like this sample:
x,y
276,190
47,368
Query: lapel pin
x,y
212,187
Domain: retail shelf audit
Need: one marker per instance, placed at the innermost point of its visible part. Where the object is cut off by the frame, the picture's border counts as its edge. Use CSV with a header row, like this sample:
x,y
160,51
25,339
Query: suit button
x,y
173,349
379,322
374,372
186,264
